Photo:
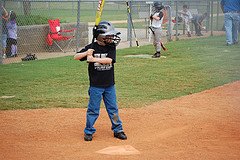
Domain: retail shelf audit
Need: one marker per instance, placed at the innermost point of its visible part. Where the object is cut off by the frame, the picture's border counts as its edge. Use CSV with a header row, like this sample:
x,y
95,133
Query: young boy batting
x,y
101,56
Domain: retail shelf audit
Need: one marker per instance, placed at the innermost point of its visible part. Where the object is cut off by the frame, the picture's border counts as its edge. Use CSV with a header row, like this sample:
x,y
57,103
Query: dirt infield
x,y
205,125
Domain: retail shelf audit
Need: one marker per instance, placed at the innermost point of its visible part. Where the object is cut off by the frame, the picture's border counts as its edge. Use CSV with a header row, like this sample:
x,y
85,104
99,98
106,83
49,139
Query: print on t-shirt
x,y
99,66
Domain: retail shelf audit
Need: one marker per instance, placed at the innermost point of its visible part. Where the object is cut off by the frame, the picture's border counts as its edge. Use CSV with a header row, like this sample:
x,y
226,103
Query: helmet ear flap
x,y
96,32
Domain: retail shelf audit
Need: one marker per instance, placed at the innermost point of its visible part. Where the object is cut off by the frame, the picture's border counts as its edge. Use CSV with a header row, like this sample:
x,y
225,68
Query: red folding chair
x,y
55,35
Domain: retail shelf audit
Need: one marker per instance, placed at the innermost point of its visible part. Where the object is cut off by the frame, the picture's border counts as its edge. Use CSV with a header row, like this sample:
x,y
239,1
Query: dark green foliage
x,y
25,20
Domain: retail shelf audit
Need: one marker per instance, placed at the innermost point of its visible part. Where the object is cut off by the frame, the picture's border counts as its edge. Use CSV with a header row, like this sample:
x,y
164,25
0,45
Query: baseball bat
x,y
130,17
98,16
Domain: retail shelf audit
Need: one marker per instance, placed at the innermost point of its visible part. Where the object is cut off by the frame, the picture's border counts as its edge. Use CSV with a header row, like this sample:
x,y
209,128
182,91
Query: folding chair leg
x,y
68,45
59,47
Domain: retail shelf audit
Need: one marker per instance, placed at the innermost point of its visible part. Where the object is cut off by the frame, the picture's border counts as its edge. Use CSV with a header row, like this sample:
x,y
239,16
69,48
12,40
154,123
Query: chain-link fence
x,y
33,27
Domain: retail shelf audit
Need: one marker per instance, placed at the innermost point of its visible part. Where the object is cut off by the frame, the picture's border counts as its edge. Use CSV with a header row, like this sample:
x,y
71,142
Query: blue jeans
x,y
4,40
231,23
239,23
108,95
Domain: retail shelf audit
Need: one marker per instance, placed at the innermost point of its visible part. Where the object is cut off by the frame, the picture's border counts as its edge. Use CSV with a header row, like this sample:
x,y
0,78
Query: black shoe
x,y
157,55
8,55
120,135
235,42
14,55
88,137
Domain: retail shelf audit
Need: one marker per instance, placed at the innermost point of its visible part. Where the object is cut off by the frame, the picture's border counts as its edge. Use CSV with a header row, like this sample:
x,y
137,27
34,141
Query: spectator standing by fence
x,y
11,50
231,10
4,31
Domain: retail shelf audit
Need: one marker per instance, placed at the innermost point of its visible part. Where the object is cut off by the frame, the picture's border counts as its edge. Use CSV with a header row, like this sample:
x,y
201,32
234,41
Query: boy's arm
x,y
81,55
99,60
199,24
155,17
183,13
200,20
158,17
188,13
5,12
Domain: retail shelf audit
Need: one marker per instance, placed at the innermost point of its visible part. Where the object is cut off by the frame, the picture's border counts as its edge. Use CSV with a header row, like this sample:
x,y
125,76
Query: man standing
x,y
231,10
5,17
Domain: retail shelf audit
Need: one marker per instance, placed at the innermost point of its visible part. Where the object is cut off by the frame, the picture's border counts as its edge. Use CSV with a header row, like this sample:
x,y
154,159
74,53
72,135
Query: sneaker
x,y
157,55
120,135
235,42
88,137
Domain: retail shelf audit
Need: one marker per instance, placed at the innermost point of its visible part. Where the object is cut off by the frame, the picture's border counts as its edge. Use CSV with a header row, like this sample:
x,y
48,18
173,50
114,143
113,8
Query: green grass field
x,y
190,66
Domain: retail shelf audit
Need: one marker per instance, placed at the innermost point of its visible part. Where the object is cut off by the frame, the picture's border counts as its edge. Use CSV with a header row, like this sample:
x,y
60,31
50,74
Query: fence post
x,y
176,21
208,11
150,12
211,18
1,47
78,27
129,29
169,28
218,4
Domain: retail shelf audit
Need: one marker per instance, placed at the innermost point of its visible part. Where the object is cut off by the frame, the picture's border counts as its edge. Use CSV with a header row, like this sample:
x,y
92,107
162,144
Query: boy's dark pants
x,y
197,28
10,42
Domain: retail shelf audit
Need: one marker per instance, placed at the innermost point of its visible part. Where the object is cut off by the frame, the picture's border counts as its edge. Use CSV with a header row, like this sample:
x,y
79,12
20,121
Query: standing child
x,y
156,27
101,56
187,17
11,50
